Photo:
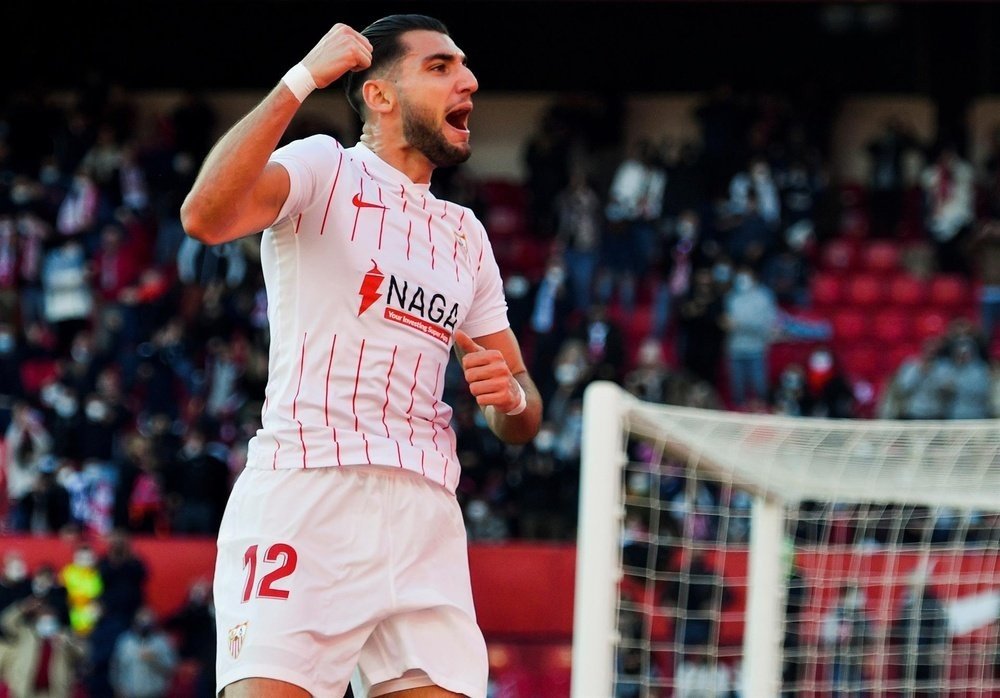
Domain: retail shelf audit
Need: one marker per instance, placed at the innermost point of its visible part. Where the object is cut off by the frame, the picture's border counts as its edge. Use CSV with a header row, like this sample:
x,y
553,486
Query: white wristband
x,y
521,405
300,81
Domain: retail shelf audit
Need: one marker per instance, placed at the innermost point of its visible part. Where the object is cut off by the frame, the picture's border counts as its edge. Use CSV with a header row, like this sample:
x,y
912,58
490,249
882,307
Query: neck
x,y
397,152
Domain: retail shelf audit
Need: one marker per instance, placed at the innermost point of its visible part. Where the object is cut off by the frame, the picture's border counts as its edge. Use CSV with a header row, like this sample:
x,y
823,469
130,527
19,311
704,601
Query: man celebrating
x,y
343,545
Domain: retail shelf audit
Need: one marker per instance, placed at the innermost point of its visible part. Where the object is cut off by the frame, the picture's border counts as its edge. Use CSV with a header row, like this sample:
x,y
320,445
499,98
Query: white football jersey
x,y
368,275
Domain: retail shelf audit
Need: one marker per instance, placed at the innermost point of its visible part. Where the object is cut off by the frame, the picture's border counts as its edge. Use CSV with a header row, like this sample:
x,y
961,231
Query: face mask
x,y
685,230
566,373
743,282
40,587
47,626
65,407
96,411
84,559
545,441
721,273
15,570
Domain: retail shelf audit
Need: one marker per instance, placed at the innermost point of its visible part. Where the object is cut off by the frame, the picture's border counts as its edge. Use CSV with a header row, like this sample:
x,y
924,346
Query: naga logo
x,y
369,288
361,203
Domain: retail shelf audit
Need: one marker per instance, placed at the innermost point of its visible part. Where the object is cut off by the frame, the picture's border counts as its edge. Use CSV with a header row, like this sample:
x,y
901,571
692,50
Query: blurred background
x,y
786,207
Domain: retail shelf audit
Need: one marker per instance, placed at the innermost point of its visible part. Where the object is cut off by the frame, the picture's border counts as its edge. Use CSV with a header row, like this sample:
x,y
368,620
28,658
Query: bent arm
x,y
490,384
237,192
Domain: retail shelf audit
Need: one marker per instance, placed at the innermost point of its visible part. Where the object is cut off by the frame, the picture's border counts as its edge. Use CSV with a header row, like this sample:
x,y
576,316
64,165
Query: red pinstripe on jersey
x,y
378,399
333,188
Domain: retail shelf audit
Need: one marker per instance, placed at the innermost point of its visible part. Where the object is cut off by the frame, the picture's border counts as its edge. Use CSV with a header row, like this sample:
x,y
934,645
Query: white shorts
x,y
325,570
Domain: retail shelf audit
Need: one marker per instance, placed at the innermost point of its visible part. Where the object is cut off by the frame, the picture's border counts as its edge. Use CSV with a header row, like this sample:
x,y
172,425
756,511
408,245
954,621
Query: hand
x,y
341,50
487,374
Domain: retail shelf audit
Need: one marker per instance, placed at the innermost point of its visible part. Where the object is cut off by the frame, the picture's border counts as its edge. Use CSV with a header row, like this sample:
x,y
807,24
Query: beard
x,y
420,132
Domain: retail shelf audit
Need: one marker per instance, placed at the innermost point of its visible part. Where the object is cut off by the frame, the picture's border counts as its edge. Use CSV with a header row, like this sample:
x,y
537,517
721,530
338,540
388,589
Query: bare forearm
x,y
520,428
225,184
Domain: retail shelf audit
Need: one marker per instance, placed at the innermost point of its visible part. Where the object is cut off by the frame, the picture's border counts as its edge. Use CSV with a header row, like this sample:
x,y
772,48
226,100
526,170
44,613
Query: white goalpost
x,y
760,556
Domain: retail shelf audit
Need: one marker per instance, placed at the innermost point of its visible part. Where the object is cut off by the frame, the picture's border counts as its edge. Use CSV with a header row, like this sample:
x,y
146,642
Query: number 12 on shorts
x,y
281,554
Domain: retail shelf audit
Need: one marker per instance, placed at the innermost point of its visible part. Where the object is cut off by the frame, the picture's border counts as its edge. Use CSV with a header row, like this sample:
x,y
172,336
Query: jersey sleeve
x,y
305,160
488,313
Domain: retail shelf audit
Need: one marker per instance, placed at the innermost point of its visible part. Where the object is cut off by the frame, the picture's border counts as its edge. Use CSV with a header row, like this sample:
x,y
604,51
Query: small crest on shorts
x,y
236,636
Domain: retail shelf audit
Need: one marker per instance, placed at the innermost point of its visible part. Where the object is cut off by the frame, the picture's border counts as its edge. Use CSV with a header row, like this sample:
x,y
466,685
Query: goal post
x,y
783,555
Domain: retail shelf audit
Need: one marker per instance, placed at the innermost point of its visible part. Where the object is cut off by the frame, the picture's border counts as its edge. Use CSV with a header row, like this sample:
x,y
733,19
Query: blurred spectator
x,y
68,296
47,587
828,391
604,340
984,249
633,211
701,330
648,379
124,577
848,633
197,485
700,675
46,508
887,154
193,625
949,202
143,660
751,324
921,384
972,390
550,319
14,582
918,639
547,161
42,656
754,190
28,443
84,587
579,216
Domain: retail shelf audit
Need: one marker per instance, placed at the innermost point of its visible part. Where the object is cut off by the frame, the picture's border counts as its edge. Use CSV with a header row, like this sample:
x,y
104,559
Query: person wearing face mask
x,y
84,586
46,587
143,660
14,582
42,655
751,322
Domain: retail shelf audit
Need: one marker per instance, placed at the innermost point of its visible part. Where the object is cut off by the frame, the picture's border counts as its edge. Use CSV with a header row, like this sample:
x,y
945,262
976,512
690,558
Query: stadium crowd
x,y
133,358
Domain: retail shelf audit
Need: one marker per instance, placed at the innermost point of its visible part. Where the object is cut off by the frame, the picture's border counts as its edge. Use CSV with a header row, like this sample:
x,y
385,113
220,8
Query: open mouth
x,y
459,118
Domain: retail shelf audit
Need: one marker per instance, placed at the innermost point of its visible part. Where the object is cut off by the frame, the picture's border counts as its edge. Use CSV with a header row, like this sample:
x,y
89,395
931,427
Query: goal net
x,y
728,554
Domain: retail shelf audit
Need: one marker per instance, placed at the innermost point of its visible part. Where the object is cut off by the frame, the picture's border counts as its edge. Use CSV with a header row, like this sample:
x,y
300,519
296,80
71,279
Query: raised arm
x,y
237,192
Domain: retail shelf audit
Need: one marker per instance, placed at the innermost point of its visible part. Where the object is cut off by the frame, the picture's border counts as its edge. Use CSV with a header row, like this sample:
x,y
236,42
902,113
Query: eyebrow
x,y
447,57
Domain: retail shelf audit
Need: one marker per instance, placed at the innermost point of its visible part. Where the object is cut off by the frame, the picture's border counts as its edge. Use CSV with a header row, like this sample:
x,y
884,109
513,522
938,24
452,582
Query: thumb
x,y
466,343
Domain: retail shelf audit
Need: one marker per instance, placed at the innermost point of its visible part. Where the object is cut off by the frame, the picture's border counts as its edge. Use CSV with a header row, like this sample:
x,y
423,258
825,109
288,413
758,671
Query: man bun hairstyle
x,y
386,49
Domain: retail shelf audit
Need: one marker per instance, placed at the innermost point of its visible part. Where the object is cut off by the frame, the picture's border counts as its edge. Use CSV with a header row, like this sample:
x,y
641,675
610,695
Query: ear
x,y
378,95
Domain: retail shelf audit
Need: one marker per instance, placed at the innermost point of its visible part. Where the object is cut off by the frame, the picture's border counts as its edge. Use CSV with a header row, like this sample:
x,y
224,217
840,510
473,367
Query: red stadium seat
x,y
949,291
930,323
865,290
827,290
850,325
862,361
880,256
892,326
906,290
838,255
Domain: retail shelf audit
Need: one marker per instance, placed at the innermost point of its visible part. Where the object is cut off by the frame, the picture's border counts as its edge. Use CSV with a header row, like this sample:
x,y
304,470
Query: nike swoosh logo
x,y
357,201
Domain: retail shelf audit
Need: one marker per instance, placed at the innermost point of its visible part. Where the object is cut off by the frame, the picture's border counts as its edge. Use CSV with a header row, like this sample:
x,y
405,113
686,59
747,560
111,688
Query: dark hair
x,y
386,49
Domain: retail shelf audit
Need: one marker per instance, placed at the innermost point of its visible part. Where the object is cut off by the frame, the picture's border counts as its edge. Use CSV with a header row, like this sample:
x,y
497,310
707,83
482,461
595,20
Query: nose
x,y
468,82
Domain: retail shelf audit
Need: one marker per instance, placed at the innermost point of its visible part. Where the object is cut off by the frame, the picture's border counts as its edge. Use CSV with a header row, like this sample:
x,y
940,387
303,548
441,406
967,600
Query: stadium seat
x,y
827,290
930,323
850,325
904,289
892,326
864,290
949,292
862,360
838,255
880,256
